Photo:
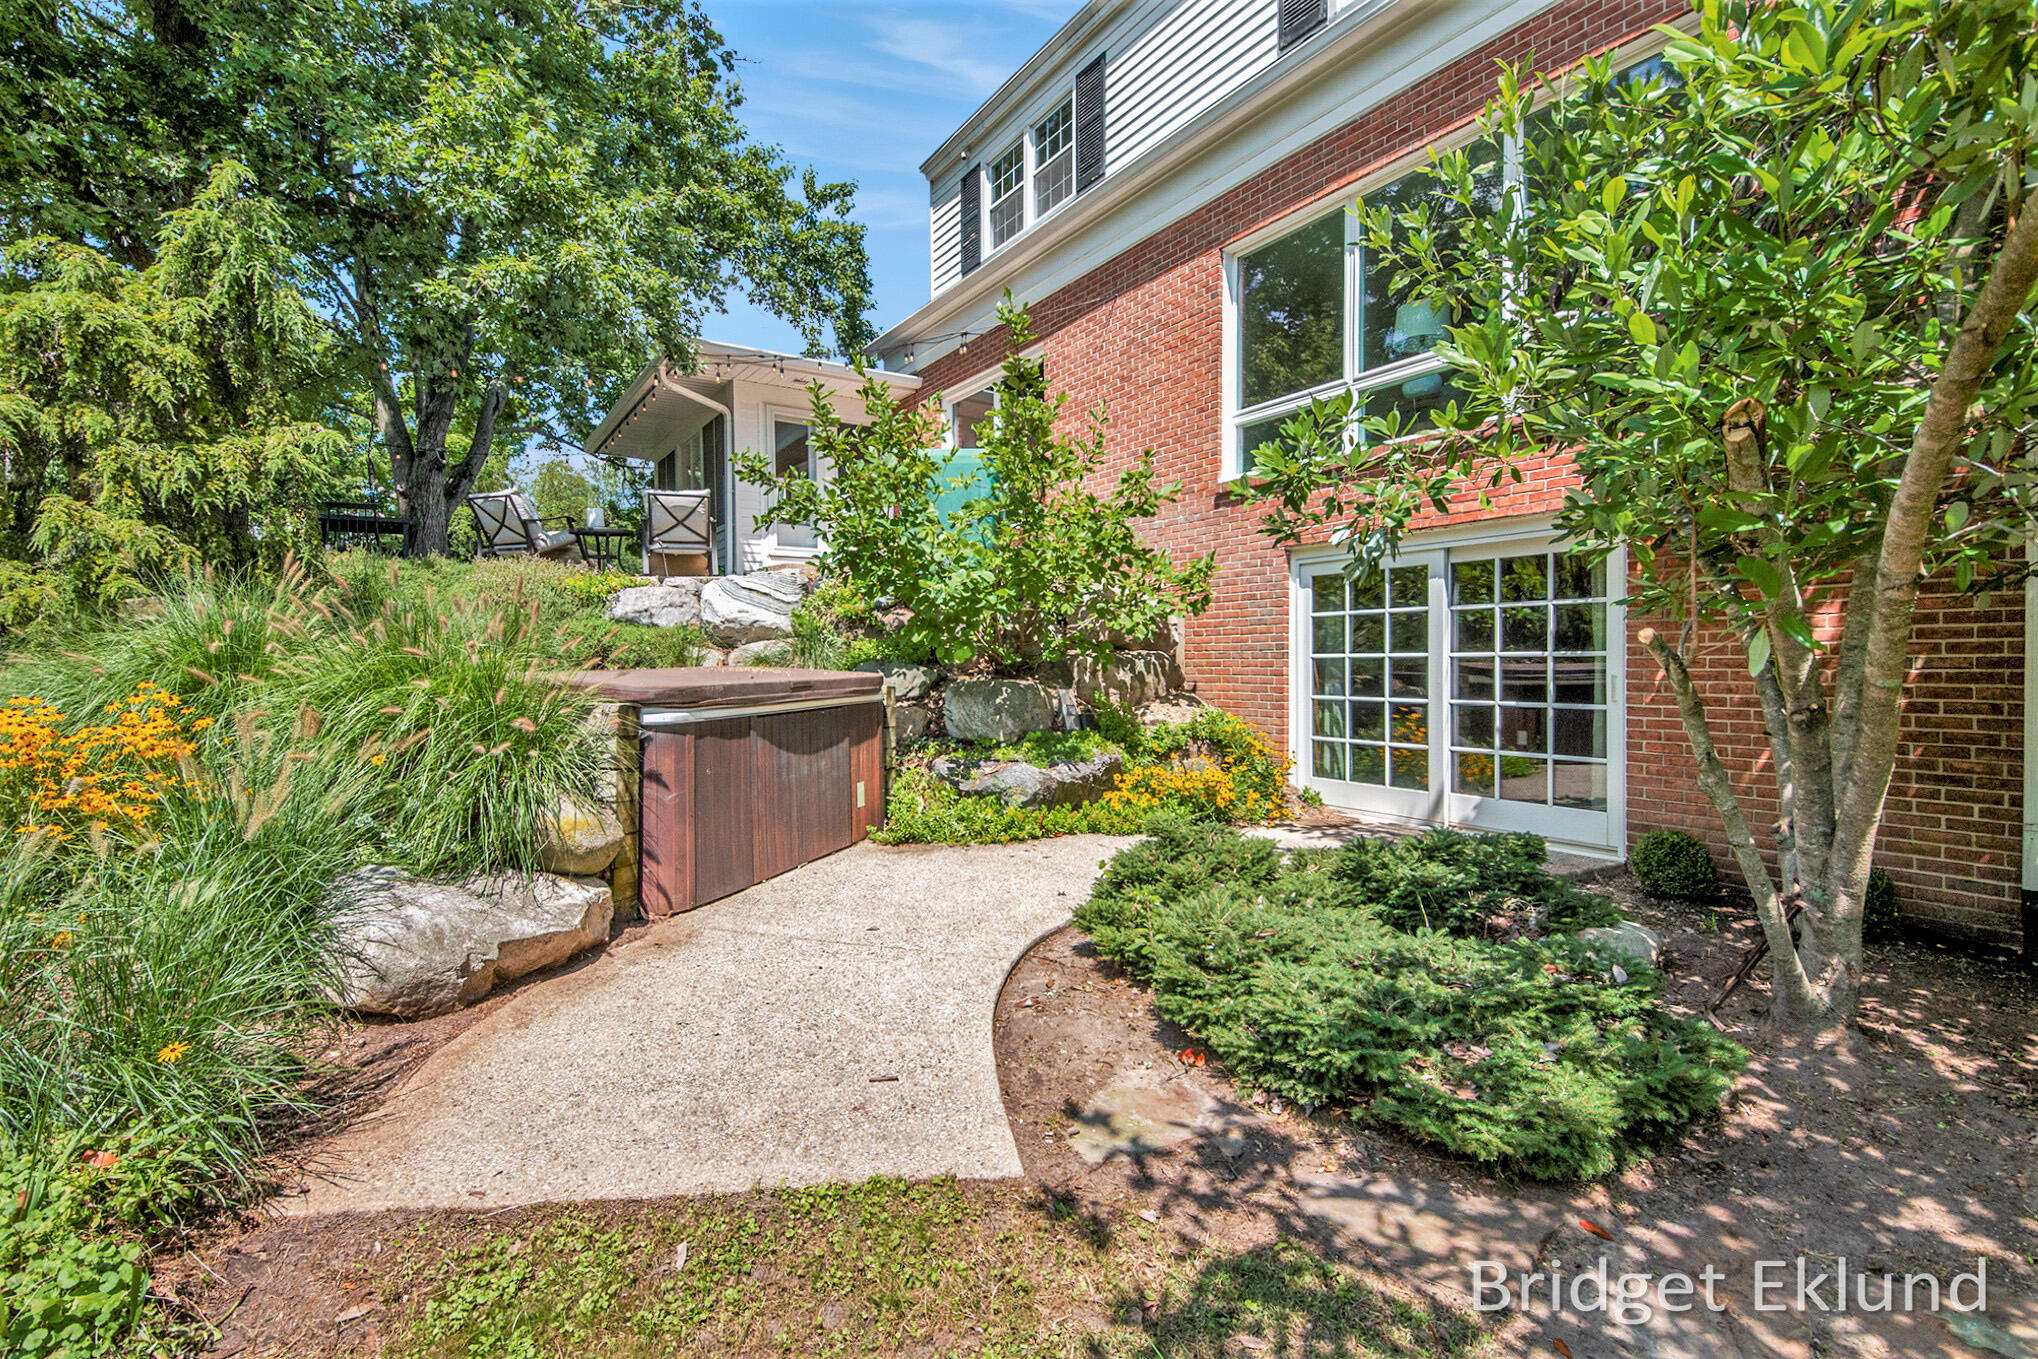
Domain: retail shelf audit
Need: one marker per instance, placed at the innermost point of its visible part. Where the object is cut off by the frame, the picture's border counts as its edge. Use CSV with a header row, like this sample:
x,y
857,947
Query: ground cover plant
x,y
181,788
883,1268
1477,1027
1212,766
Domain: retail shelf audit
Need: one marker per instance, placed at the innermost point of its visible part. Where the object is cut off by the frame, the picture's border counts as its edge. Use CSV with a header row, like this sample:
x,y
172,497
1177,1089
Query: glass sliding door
x,y
1469,686
1372,689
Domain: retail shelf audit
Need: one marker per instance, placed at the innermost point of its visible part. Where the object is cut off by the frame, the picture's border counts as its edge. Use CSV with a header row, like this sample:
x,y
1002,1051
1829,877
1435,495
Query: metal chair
x,y
508,525
679,533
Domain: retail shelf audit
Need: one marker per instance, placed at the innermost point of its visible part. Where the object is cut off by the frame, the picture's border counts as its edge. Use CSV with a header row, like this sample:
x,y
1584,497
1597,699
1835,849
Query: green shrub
x,y
1673,863
1467,884
1044,560
1181,856
1523,1056
1883,917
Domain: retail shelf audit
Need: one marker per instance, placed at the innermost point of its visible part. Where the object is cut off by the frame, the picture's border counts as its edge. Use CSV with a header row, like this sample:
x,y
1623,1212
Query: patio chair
x,y
679,533
508,525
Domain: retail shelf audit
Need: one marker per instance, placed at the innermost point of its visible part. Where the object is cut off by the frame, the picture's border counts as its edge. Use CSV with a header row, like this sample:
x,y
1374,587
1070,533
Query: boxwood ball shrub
x,y
1673,863
1884,916
1525,1055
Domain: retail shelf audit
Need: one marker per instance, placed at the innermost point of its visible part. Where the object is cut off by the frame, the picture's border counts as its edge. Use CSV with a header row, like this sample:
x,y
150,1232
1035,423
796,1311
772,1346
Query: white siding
x,y
944,243
1166,61
1191,54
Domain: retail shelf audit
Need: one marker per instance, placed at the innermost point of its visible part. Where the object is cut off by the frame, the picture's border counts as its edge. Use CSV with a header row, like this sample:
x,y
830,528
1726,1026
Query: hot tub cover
x,y
727,687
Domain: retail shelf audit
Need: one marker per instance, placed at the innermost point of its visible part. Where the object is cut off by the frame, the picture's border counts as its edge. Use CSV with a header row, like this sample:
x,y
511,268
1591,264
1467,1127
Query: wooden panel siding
x,y
724,800
666,838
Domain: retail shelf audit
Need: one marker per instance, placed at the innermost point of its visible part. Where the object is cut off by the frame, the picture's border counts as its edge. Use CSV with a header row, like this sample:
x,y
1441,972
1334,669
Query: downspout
x,y
2030,865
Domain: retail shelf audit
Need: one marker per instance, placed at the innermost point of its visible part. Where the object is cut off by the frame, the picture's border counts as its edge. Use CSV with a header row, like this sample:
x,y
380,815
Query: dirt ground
x,y
1915,1149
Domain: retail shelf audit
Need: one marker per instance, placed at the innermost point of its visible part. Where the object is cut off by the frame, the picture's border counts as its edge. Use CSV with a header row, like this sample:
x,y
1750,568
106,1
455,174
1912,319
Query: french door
x,y
1468,686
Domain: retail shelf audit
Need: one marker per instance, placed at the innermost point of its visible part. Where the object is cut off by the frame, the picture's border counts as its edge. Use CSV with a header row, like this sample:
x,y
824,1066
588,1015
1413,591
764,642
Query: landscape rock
x,y
774,652
757,607
581,840
1633,942
413,948
1125,678
996,710
676,603
903,679
1017,783
911,722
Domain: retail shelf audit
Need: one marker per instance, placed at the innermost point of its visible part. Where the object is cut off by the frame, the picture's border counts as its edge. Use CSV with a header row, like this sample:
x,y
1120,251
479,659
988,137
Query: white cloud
x,y
957,51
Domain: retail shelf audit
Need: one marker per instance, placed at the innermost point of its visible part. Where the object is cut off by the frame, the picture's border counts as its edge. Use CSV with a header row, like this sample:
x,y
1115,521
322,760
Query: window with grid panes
x,y
1054,159
1529,706
1008,203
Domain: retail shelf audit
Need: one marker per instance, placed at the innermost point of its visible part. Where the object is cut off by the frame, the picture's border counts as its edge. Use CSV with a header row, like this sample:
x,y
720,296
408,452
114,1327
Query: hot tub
x,y
747,773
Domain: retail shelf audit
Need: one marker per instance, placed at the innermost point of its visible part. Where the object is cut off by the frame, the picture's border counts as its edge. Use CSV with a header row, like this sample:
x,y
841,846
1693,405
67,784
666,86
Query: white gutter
x,y
2030,875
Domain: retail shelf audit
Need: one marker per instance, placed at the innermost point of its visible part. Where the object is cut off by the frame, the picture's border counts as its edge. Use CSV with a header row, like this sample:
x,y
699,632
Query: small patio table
x,y
602,548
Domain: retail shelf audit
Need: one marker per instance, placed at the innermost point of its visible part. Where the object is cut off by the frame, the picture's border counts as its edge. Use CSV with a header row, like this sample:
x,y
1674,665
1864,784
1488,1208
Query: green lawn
x,y
883,1268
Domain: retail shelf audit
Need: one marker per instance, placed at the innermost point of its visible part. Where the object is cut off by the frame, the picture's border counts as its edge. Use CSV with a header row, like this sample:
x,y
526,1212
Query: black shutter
x,y
1090,124
972,218
1299,19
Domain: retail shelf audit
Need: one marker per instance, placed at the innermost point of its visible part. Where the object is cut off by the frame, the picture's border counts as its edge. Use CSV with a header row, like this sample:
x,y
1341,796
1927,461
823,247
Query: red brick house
x,y
1165,183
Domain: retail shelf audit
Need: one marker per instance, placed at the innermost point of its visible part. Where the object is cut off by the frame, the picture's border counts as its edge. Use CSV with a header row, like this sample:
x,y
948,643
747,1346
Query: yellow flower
x,y
62,939
378,759
171,1052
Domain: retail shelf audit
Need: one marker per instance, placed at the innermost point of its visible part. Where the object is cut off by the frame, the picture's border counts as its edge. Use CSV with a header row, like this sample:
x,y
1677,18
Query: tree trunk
x,y
428,515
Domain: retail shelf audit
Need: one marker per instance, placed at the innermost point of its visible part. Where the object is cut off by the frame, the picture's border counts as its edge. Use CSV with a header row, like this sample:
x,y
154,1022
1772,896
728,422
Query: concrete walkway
x,y
831,1024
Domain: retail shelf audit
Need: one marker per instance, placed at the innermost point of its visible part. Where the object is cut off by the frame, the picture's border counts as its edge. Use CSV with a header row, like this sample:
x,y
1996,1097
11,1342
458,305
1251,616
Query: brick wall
x,y
1143,334
1953,825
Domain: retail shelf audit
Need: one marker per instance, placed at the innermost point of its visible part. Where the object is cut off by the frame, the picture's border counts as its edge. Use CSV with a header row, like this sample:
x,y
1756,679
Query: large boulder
x,y
674,604
412,948
753,608
996,709
581,840
1016,783
1125,678
904,681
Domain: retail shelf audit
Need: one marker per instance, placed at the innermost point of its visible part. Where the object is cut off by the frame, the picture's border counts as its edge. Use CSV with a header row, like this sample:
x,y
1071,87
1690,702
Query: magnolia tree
x,y
1012,562
1770,295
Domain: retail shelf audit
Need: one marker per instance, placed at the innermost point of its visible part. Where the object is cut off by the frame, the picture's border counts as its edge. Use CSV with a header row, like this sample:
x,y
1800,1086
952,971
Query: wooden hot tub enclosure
x,y
747,773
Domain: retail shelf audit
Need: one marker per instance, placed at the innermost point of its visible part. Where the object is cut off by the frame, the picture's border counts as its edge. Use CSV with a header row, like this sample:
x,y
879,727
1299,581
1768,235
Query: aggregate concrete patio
x,y
831,1024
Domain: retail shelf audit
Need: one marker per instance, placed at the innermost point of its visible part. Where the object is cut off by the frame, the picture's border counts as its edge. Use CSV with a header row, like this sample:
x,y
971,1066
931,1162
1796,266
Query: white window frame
x,y
1030,213
1234,465
1016,195
1037,165
988,382
1599,834
1353,380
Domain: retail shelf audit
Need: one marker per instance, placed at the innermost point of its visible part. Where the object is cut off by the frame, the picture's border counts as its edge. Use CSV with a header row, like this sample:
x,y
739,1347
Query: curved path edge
x,y
829,1025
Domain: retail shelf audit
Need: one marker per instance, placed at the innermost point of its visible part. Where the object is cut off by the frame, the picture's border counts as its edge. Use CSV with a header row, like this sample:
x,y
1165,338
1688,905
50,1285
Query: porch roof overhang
x,y
658,380
717,365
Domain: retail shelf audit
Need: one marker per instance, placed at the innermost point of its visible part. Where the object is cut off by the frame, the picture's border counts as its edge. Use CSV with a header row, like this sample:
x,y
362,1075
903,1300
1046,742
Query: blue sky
x,y
865,92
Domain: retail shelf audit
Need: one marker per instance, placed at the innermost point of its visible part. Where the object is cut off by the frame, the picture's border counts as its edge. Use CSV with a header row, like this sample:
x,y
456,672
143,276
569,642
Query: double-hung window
x,y
1054,159
1317,315
1008,197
